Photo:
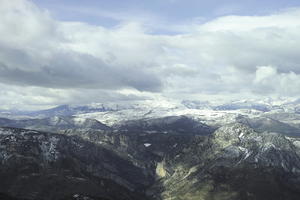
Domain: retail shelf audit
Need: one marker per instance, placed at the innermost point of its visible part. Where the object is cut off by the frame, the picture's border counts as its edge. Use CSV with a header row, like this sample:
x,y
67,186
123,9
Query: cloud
x,y
264,73
227,51
230,55
269,80
33,97
38,51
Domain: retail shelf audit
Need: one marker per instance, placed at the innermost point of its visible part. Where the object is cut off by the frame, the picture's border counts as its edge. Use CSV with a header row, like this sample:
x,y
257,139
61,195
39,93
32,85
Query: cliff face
x,y
234,162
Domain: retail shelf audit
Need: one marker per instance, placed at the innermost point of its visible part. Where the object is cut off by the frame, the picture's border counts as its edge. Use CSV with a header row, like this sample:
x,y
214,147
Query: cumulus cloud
x,y
269,80
228,50
55,62
38,51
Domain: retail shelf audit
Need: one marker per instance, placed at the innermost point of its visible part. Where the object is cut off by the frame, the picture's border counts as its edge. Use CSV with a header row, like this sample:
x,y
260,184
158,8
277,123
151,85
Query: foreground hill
x,y
38,165
233,163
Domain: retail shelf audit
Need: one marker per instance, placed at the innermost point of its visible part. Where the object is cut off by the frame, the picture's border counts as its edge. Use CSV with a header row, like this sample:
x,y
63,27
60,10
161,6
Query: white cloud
x,y
41,56
264,73
284,19
269,80
36,50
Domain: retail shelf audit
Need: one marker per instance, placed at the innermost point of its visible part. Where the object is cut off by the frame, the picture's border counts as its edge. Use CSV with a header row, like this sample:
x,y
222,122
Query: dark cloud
x,y
69,69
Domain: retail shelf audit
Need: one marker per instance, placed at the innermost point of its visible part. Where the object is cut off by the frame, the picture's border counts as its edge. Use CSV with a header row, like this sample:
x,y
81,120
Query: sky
x,y
55,52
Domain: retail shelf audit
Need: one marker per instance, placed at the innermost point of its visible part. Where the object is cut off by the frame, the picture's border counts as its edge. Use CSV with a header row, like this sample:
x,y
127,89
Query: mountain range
x,y
157,151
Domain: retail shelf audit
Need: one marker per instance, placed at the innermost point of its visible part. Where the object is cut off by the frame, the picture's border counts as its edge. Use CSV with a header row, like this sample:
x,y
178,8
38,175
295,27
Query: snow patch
x,y
147,144
49,149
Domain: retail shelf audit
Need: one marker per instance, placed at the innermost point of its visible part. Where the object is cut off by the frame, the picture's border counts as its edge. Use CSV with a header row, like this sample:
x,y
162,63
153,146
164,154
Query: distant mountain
x,y
196,104
66,110
114,112
69,110
262,124
164,106
244,105
54,124
171,124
